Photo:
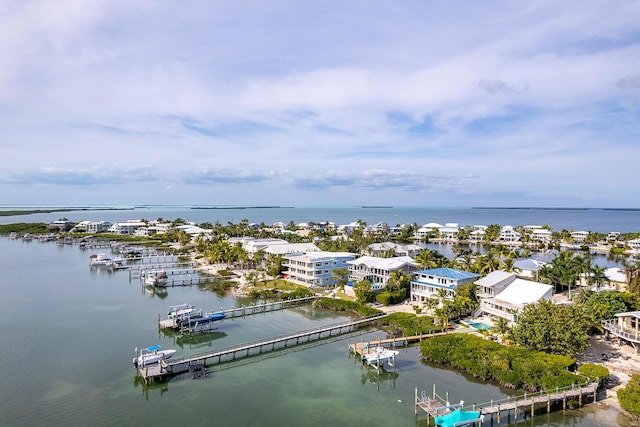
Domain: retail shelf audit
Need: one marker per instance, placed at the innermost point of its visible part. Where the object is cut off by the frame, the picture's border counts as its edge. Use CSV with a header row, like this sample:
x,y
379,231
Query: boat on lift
x,y
151,355
378,356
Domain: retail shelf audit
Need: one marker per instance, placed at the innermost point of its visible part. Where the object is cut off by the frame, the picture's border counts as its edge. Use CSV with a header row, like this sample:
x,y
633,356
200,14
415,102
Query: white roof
x,y
384,263
615,274
290,248
521,292
495,277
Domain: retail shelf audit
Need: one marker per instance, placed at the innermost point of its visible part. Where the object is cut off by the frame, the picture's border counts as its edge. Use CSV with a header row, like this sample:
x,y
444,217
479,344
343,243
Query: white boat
x,y
176,314
96,260
151,355
119,263
156,278
378,356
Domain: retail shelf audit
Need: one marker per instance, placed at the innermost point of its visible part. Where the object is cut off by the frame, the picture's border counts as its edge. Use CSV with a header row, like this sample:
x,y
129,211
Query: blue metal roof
x,y
449,273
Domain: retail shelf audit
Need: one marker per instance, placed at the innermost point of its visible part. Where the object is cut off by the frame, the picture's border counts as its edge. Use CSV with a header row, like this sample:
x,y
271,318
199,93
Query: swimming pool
x,y
479,326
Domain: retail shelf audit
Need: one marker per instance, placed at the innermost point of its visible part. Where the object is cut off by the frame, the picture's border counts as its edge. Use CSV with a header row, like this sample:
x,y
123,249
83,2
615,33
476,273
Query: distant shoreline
x,y
40,211
242,207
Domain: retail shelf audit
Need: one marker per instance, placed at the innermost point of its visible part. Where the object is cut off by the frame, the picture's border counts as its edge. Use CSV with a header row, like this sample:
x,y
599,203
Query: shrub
x,y
629,396
594,372
511,366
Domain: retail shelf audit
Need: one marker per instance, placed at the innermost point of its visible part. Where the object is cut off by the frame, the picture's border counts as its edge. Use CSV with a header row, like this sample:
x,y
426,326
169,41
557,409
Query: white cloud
x,y
255,101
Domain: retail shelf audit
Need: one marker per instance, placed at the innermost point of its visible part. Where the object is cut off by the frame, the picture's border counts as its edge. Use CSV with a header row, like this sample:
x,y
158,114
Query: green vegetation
x,y
594,372
510,366
553,328
25,227
336,304
406,324
629,396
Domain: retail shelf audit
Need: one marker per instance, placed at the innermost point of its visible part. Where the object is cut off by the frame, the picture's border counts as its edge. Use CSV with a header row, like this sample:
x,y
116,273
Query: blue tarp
x,y
457,418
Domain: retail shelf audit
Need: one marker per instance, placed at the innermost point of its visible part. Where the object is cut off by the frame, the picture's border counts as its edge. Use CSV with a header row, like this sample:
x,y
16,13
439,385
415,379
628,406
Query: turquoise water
x,y
68,336
479,326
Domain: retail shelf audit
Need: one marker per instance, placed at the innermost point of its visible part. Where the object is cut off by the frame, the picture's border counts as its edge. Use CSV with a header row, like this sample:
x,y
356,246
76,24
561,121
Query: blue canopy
x,y
153,348
457,418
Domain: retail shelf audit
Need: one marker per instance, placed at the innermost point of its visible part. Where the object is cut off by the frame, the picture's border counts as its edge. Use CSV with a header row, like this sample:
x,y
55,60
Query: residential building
x,y
493,283
528,268
626,327
128,227
449,231
378,270
315,268
541,235
508,234
579,236
384,248
427,229
427,284
634,244
508,303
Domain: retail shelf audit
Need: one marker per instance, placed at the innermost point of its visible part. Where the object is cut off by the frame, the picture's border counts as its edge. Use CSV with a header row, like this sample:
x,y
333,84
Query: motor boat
x,y
151,355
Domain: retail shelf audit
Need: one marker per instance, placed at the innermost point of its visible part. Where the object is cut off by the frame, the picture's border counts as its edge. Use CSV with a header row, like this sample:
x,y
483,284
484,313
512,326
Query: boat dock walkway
x,y
363,347
436,406
176,366
248,310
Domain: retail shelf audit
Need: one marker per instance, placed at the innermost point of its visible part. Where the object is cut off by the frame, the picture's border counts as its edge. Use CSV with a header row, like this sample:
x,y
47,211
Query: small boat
x,y
96,260
151,355
200,321
379,356
119,263
158,278
459,418
177,313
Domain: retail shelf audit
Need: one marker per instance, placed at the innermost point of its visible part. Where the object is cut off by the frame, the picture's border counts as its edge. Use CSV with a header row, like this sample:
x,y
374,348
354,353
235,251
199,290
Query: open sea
x,y
68,334
597,220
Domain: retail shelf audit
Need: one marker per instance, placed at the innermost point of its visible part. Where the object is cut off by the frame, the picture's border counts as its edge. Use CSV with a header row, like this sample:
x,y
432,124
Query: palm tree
x,y
632,271
597,276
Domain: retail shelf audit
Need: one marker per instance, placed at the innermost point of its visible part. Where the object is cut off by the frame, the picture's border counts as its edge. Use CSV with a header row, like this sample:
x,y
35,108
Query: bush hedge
x,y
629,396
510,366
337,304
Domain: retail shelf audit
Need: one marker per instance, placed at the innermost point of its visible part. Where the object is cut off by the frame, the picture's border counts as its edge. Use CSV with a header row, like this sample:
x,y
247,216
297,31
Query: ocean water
x,y
597,220
68,335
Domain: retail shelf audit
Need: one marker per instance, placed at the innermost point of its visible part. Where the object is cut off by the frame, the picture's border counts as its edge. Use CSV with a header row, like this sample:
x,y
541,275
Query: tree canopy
x,y
552,328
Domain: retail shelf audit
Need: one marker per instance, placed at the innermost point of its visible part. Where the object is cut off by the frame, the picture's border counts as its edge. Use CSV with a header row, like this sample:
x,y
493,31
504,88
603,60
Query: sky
x,y
449,103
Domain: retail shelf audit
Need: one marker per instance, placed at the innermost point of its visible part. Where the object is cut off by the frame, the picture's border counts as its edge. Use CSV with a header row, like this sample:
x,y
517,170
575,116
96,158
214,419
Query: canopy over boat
x,y
458,418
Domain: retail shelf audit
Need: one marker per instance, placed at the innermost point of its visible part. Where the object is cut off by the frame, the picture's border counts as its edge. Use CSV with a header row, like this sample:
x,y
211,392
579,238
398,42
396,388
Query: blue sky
x,y
403,103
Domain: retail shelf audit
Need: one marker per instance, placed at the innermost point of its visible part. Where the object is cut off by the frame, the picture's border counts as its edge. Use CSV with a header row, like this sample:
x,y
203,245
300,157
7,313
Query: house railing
x,y
613,327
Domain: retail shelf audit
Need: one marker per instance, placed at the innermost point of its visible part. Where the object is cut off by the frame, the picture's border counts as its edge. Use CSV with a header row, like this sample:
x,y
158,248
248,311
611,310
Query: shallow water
x,y
68,336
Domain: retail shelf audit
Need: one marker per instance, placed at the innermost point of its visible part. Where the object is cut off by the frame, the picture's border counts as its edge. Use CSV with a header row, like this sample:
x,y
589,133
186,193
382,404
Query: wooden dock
x,y
527,403
176,366
363,347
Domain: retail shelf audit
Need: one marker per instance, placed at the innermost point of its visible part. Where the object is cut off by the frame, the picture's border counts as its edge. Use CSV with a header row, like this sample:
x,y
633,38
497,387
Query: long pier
x,y
176,366
527,403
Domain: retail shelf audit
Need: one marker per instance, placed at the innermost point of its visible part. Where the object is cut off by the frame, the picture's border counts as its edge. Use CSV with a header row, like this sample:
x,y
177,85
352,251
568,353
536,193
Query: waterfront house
x,y
508,303
272,246
541,235
427,284
427,229
508,234
477,235
385,248
315,268
626,327
579,236
128,227
378,270
493,283
450,231
617,278
94,227
528,268
634,244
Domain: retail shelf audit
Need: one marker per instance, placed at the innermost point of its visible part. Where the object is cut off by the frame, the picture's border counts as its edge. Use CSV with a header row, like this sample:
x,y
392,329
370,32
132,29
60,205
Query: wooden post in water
x,y
532,406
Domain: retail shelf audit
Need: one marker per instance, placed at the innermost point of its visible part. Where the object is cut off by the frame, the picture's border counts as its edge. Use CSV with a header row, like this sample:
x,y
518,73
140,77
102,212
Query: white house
x,y
426,229
528,268
634,244
449,231
427,284
541,235
378,270
508,304
128,227
315,268
493,283
579,236
508,234
381,249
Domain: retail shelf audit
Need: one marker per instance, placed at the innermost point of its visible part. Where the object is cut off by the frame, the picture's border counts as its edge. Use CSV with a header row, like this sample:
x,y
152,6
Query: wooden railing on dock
x,y
176,366
435,405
